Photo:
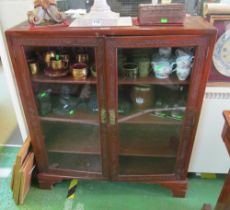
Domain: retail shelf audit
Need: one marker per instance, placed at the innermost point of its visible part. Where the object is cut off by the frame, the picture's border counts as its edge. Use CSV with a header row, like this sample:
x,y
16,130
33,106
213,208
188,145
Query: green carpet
x,y
97,195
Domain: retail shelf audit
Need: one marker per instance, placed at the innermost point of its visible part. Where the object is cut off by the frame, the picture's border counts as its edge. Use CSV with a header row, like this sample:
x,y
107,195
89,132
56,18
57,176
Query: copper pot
x,y
79,71
59,64
48,56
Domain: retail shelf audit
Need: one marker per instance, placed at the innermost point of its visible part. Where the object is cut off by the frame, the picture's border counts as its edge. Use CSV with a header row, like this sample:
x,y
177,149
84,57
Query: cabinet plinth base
x,y
46,182
178,188
206,207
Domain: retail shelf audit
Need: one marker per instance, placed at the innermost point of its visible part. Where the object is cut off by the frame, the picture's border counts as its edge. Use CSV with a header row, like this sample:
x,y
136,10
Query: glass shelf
x,y
41,78
80,117
76,141
63,138
76,162
153,80
146,165
157,141
148,147
148,118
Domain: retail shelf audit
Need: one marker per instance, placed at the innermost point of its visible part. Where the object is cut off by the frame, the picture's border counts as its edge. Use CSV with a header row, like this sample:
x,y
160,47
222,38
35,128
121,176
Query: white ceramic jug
x,y
162,69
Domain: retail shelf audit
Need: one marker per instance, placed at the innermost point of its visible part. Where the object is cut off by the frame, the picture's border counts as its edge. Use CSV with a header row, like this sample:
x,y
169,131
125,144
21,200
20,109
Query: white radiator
x,y
209,152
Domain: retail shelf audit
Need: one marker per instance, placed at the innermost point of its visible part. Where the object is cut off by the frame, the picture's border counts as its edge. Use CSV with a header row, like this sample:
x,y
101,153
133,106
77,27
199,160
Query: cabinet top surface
x,y
193,25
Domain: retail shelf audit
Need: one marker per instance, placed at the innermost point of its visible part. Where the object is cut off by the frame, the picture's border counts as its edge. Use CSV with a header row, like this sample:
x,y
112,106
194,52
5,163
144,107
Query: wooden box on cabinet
x,y
109,136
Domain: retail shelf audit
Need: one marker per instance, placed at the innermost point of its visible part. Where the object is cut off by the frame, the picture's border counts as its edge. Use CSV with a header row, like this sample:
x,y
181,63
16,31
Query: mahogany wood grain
x,y
226,130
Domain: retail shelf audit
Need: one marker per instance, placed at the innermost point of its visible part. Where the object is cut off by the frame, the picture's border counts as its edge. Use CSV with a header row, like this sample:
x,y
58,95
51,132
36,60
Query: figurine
x,y
45,11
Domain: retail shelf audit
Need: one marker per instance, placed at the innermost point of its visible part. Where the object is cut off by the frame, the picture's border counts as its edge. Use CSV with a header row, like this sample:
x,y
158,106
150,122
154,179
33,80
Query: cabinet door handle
x,y
112,117
103,116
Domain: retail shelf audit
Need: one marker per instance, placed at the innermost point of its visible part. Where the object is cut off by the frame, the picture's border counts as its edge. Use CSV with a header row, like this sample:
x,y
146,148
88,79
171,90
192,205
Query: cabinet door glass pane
x,y
153,89
65,89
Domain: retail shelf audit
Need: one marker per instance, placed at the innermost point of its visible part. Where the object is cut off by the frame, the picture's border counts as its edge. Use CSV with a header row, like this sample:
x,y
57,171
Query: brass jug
x,y
48,56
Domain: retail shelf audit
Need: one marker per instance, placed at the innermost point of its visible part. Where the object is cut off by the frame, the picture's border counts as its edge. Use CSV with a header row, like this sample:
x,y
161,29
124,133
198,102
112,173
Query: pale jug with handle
x,y
162,68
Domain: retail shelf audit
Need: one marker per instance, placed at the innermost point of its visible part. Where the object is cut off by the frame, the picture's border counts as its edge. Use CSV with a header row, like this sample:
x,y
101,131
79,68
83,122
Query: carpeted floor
x,y
95,195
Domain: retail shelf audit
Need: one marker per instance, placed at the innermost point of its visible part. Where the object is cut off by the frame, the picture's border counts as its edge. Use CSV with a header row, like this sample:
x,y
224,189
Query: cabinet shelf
x,y
153,80
71,138
78,145
148,147
144,165
148,118
80,117
41,78
157,141
76,162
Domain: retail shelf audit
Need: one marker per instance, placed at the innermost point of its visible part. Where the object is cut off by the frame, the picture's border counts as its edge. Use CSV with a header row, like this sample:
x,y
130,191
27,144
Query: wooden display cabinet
x,y
112,127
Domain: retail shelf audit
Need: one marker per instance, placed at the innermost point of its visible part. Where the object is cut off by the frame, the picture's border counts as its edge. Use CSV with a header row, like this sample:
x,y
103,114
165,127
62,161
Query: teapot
x,y
48,56
162,68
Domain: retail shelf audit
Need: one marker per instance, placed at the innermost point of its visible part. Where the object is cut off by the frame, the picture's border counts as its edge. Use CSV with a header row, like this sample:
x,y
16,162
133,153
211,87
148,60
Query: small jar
x,y
130,71
142,97
79,71
144,67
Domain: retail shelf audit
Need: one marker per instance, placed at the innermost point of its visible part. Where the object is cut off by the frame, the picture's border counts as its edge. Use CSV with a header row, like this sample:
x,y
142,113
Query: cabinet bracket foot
x,y
206,207
178,188
46,181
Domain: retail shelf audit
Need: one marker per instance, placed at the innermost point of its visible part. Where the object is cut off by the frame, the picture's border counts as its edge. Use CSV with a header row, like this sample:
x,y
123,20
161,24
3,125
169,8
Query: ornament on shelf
x,y
45,13
100,15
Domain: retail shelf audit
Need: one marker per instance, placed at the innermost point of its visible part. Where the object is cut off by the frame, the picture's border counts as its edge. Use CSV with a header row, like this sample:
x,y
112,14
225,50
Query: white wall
x,y
13,12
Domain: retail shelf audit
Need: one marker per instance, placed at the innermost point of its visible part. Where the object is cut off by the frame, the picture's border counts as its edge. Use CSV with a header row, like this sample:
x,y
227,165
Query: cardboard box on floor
x,y
22,173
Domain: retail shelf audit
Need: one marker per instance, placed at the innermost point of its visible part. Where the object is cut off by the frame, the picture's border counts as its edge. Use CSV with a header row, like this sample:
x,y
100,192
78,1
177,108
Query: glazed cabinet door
x,y
61,83
155,88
